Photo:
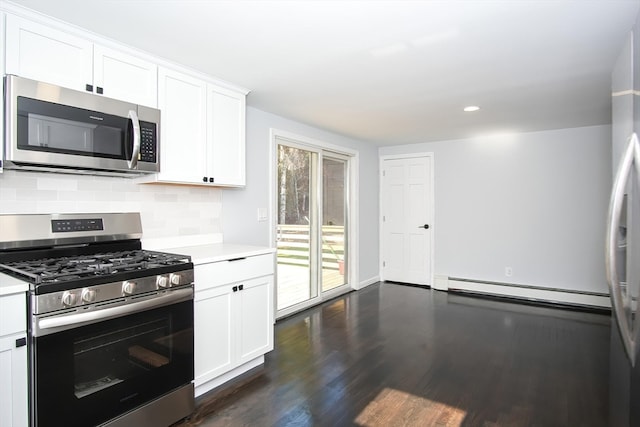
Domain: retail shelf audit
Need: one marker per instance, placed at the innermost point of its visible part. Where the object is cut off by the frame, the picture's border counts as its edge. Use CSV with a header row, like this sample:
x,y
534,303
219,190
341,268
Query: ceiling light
x,y
471,108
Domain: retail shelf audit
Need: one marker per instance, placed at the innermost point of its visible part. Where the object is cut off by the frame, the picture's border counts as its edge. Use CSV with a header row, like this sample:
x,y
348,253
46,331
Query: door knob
x,y
426,226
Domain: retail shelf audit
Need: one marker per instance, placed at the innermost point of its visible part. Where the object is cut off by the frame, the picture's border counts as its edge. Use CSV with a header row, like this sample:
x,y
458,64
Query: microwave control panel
x,y
148,142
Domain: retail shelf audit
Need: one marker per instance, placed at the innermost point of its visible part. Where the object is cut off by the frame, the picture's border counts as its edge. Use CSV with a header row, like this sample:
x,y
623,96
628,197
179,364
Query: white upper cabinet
x,y
121,76
41,53
1,94
226,135
46,54
183,103
202,125
202,131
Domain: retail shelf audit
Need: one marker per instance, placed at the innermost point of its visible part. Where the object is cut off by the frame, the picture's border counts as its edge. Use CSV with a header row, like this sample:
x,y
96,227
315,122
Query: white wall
x,y
166,211
240,221
535,202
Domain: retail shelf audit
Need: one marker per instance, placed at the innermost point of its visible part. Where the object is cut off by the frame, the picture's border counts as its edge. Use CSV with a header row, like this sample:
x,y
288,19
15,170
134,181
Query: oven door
x,y
88,375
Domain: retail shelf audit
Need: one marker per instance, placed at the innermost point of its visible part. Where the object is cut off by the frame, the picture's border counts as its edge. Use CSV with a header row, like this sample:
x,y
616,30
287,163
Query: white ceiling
x,y
388,72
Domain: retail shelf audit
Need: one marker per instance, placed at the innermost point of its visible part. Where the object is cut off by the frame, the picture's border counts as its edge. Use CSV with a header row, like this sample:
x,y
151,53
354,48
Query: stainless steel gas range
x,y
110,324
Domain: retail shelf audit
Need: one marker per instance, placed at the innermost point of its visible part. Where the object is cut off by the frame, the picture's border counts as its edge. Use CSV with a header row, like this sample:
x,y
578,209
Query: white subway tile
x,y
56,183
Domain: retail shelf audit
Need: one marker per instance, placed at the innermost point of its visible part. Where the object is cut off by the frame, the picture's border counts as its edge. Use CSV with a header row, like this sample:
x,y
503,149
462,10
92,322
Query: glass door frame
x,y
332,151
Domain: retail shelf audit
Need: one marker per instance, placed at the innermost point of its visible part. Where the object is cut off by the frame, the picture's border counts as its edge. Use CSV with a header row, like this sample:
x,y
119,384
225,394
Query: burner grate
x,y
66,269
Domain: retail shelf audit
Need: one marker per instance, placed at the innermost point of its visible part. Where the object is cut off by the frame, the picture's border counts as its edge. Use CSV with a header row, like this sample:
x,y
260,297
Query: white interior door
x,y
407,219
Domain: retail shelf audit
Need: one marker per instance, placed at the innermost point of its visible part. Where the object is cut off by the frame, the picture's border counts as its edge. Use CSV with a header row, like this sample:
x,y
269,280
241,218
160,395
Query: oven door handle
x,y
79,319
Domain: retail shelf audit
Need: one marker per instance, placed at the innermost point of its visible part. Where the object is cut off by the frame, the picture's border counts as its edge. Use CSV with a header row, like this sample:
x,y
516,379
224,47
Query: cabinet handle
x,y
99,90
237,259
204,179
211,179
235,289
21,342
89,88
241,287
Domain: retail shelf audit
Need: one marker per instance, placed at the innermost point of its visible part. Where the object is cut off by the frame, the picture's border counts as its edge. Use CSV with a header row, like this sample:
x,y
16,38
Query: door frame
x,y
431,208
352,208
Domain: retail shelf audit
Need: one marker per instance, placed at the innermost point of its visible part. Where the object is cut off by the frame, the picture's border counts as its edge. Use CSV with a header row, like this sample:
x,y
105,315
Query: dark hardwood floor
x,y
394,355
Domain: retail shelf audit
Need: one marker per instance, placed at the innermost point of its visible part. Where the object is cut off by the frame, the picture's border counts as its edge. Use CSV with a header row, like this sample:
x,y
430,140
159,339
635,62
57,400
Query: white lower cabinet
x,y
233,318
13,361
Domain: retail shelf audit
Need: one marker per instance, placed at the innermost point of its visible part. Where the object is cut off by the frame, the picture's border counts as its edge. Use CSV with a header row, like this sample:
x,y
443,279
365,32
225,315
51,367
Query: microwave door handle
x,y
133,162
631,155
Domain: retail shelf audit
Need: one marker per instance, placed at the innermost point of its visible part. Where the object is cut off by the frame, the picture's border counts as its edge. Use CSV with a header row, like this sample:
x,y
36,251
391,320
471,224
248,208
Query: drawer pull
x,y
237,259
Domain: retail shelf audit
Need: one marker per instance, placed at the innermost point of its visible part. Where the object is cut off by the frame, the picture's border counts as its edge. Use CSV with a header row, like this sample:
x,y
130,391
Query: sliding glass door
x,y
295,231
312,225
334,222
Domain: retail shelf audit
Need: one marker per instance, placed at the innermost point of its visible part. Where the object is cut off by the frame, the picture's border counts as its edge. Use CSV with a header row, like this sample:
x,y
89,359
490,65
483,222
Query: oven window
x,y
111,358
94,373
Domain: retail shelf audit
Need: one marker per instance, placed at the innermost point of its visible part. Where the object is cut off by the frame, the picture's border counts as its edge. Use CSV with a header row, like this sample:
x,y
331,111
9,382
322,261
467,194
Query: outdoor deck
x,y
293,283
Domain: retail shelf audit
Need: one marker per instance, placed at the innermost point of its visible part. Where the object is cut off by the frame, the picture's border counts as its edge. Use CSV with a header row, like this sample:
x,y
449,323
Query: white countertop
x,y
215,252
10,285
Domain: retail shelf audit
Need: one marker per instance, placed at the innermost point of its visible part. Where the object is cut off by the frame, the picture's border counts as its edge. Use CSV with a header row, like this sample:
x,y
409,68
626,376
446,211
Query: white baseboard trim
x,y
531,293
440,283
218,381
363,284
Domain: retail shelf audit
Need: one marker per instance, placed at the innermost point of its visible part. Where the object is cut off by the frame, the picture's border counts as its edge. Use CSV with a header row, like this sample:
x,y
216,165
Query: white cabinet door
x,y
182,101
45,54
255,321
41,53
2,92
13,382
233,317
13,361
202,131
125,77
213,333
226,136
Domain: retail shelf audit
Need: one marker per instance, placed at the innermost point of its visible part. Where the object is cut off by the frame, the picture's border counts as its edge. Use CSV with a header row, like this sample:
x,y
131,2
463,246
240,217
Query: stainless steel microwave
x,y
50,128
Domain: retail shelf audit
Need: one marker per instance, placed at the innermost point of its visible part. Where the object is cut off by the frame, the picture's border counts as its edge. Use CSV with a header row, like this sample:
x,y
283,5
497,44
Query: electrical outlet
x,y
508,271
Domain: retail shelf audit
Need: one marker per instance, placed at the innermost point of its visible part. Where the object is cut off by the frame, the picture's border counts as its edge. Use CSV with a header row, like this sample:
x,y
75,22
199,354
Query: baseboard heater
x,y
539,294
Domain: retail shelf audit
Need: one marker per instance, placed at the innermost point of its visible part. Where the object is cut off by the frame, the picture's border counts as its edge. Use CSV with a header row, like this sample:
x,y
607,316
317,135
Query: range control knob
x,y
88,295
162,282
69,298
176,279
128,288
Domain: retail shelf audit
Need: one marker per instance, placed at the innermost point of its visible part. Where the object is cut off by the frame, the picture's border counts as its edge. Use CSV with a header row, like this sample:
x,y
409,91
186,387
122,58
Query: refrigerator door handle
x,y
631,156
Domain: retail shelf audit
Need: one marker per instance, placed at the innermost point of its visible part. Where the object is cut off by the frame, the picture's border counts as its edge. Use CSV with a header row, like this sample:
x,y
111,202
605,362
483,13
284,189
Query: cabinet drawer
x,y
223,272
13,314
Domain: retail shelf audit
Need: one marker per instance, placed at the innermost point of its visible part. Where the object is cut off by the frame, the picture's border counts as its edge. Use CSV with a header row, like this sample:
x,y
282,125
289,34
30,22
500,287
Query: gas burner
x,y
77,268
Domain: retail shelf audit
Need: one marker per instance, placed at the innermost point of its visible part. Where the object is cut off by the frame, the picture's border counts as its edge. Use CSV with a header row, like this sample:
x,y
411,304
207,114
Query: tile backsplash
x,y
166,210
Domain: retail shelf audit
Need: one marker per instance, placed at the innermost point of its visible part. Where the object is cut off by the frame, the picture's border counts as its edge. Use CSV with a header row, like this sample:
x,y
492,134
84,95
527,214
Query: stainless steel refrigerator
x,y
623,237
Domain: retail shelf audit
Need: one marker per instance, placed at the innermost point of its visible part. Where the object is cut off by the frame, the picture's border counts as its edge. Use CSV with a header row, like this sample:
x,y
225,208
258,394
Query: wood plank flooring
x,y
394,355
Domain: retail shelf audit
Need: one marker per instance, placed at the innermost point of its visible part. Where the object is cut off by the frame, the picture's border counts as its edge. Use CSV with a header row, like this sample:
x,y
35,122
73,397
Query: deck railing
x,y
293,245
